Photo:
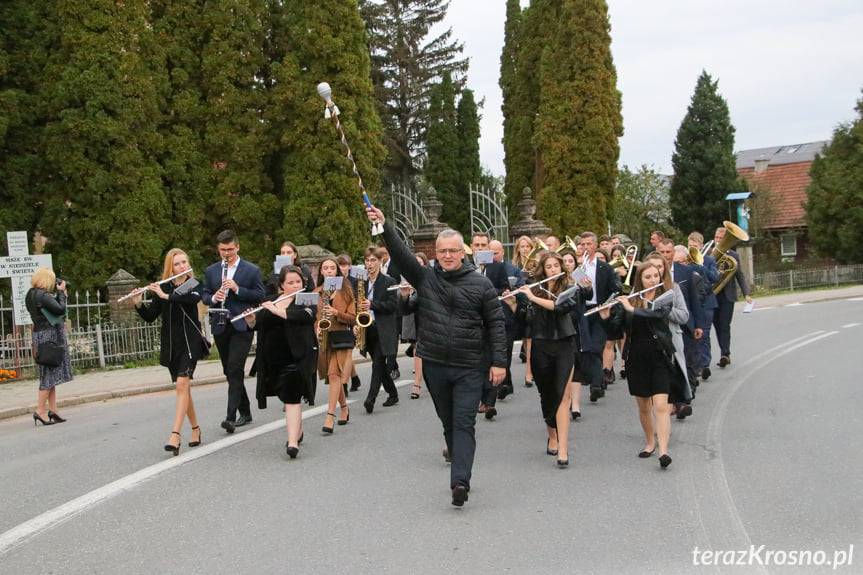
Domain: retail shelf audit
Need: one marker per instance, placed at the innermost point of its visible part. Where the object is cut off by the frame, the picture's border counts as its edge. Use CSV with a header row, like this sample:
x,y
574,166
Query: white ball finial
x,y
325,92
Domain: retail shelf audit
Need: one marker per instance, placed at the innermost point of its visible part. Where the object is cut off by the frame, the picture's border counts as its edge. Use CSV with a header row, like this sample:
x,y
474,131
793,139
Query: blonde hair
x,y
516,255
168,271
43,278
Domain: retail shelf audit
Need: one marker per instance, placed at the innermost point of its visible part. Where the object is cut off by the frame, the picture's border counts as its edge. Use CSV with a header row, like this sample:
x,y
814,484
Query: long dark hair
x,y
346,289
638,285
555,287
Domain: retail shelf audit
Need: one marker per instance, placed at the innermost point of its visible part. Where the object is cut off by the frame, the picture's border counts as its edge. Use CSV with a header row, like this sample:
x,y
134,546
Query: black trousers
x,y
233,349
551,362
690,353
456,392
380,369
593,359
722,316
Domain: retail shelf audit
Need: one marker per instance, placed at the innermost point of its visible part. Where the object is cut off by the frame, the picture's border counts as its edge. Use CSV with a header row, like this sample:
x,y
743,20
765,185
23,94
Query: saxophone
x,y
324,324
364,318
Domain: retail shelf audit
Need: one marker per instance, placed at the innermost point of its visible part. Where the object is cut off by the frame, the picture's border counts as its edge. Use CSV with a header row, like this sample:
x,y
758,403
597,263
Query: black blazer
x,y
607,282
181,330
729,292
250,293
683,277
385,304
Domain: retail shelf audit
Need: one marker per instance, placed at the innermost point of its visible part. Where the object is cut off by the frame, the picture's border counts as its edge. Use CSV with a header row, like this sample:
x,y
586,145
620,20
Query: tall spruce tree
x,y
442,161
405,65
579,120
105,207
321,198
704,162
834,210
469,169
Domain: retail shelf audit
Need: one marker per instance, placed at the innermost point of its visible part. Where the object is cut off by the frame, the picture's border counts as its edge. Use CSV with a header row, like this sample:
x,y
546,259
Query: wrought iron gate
x,y
407,213
488,214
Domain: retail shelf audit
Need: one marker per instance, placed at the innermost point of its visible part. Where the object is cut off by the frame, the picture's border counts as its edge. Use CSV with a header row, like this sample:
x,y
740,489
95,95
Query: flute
x,y
260,307
141,290
503,297
615,302
400,286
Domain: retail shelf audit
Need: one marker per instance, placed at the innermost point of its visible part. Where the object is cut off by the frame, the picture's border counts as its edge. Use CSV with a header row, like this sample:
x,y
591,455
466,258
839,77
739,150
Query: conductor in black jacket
x,y
381,337
458,318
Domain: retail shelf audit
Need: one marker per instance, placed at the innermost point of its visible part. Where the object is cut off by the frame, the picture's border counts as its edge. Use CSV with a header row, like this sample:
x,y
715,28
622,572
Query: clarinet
x,y
220,313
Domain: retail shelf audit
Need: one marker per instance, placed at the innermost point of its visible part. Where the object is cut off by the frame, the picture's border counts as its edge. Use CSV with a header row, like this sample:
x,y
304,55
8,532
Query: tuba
x,y
569,244
364,318
726,264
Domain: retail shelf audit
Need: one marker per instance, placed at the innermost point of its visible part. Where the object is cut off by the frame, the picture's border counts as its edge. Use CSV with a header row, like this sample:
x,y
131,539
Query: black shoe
x,y
596,394
55,418
395,374
522,355
302,435
645,454
243,420
664,461
490,412
504,391
622,373
355,383
369,404
528,383
608,376
576,415
391,400
326,429
198,442
562,463
346,412
723,361
292,451
38,418
228,426
174,448
459,495
548,450
705,373
684,411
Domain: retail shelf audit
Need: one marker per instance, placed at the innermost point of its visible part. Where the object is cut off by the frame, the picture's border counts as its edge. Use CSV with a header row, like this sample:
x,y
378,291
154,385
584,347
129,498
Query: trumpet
x,y
533,285
260,307
141,290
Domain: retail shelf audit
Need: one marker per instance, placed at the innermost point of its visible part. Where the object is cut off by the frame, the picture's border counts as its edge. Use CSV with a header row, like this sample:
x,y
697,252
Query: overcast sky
x,y
789,70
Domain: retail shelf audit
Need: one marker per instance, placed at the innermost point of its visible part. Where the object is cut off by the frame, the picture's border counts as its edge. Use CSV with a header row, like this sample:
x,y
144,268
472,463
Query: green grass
x,y
761,292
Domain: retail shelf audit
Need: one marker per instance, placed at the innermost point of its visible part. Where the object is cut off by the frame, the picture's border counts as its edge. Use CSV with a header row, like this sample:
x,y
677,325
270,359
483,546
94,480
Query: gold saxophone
x,y
324,324
725,263
364,318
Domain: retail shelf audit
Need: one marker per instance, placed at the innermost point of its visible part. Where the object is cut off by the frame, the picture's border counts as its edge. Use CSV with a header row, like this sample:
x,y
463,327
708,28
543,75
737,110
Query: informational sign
x,y
19,266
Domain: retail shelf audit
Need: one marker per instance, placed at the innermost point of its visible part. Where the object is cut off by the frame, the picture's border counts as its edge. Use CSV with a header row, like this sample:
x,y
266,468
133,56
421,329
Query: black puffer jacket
x,y
459,316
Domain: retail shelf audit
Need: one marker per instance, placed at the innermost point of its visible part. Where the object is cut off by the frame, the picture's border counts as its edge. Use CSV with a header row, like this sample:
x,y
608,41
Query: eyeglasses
x,y
451,251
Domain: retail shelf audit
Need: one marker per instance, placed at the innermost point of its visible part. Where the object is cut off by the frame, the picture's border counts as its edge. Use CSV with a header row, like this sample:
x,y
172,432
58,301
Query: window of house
x,y
789,245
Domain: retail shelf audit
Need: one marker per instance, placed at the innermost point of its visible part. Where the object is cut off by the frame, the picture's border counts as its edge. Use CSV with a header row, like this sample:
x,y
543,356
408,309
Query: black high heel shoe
x,y
548,450
55,418
326,429
347,417
200,435
37,418
292,451
562,463
174,448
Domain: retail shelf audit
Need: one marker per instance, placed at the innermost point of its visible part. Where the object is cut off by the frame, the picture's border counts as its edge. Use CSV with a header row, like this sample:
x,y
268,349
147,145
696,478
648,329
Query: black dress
x,y
285,348
647,369
182,341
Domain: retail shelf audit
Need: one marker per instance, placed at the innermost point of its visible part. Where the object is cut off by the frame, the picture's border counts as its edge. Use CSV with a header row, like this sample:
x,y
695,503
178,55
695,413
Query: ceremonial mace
x,y
332,111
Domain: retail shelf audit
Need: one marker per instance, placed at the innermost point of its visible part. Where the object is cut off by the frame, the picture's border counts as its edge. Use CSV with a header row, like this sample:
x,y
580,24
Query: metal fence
x,y
810,278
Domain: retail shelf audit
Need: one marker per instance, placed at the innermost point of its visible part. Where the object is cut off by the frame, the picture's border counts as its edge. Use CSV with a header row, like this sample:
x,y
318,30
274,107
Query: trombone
x,y
629,262
141,290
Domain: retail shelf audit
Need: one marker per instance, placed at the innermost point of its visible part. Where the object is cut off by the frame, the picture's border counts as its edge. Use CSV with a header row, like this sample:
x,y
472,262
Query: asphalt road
x,y
770,458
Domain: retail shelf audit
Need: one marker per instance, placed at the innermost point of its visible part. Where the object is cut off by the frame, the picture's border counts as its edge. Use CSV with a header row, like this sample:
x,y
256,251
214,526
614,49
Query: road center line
x,y
847,325
23,532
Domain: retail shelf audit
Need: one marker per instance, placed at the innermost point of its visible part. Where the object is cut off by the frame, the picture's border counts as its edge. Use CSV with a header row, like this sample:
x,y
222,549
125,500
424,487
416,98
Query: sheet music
x,y
281,261
359,273
749,307
483,257
333,283
307,299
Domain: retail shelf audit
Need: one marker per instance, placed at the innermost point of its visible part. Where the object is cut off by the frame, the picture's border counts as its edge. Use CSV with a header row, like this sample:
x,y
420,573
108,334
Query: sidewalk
x,y
19,396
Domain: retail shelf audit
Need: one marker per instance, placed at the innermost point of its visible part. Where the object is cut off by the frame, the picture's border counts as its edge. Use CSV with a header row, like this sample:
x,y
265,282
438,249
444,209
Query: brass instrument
x,y
629,262
532,258
725,263
695,256
568,244
364,318
705,249
325,323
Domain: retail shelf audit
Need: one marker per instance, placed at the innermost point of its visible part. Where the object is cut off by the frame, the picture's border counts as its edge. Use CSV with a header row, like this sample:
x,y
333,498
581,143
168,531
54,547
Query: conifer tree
x,y
442,162
105,207
322,201
579,120
704,161
835,194
469,169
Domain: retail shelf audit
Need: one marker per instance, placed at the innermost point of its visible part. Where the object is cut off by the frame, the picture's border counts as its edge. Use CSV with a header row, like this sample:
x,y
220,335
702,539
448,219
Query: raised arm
x,y
399,253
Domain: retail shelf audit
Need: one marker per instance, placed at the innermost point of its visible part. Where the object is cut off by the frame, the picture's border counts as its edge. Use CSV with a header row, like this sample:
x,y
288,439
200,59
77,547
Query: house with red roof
x,y
778,177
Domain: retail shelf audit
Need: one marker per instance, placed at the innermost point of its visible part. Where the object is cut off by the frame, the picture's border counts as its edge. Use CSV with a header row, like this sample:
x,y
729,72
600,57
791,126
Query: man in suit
x,y
725,304
381,336
512,327
232,285
711,276
392,270
605,282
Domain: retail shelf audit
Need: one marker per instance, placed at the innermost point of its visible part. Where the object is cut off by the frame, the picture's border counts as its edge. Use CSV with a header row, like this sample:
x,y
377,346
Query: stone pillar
x,y
527,226
425,236
119,284
312,255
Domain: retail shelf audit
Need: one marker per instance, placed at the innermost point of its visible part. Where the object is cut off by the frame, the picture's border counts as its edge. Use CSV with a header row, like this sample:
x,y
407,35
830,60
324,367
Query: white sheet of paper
x,y
749,307
359,272
333,284
281,261
578,275
483,257
307,299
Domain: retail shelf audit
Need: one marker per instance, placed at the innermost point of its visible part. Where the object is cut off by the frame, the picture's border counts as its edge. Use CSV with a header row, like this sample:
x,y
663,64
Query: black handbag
x,y
49,354
341,339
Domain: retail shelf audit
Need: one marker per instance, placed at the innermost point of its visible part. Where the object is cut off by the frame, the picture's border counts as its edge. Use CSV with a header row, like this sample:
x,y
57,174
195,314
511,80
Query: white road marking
x,y
23,532
855,299
847,325
795,304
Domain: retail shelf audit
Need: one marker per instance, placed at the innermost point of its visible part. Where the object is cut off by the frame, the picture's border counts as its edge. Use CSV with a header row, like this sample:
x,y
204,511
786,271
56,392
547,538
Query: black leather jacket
x,y
38,299
549,324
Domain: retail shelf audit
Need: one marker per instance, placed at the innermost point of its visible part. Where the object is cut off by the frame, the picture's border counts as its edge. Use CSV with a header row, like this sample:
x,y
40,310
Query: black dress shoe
x,y
228,426
503,391
243,420
528,383
490,412
705,373
664,461
391,400
522,355
645,454
459,495
369,404
562,463
292,451
596,394
723,361
576,415
355,383
684,411
55,418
